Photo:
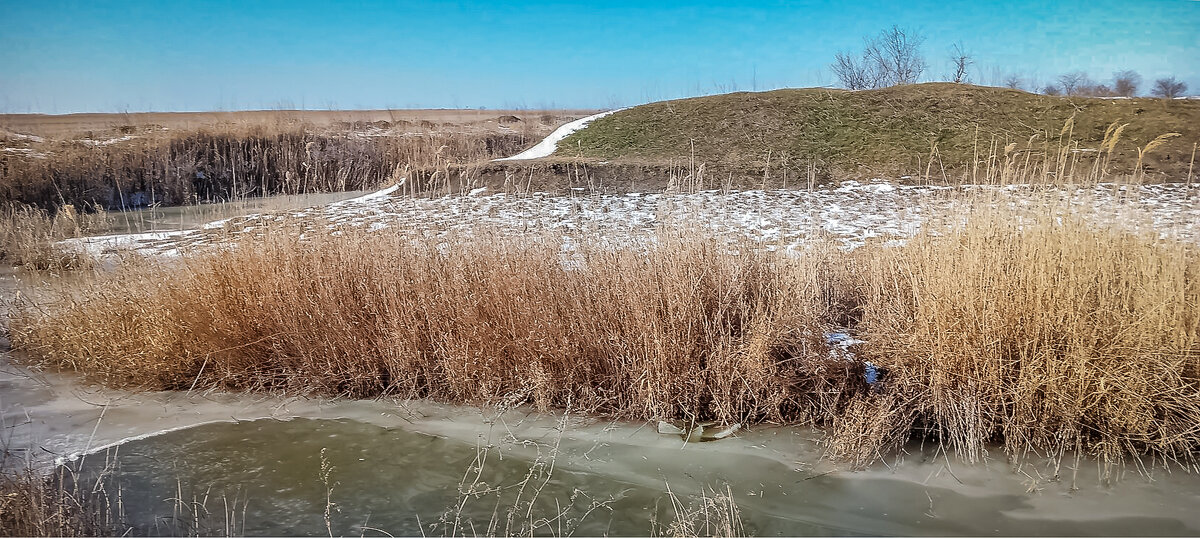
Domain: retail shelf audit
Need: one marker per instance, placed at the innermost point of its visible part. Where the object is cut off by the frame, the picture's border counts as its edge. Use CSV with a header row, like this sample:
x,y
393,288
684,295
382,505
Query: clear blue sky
x,y
59,57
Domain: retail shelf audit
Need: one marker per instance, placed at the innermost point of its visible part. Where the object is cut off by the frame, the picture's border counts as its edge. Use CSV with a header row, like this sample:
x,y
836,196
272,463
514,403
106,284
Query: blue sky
x,y
58,57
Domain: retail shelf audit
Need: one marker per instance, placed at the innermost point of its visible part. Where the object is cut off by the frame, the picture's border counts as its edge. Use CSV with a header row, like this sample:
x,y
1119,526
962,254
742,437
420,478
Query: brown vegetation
x,y
178,168
1047,336
68,126
36,505
141,164
28,234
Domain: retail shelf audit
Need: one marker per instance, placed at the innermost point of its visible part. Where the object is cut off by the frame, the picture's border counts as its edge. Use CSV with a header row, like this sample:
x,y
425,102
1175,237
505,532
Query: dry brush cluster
x,y
233,162
1043,335
67,190
28,234
57,505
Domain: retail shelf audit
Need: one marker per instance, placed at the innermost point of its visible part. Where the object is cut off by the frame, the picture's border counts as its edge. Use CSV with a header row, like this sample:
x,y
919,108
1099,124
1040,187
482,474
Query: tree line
x,y
893,57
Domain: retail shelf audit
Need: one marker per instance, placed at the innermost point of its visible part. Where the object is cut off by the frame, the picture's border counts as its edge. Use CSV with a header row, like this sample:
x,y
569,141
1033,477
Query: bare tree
x,y
1051,89
896,53
855,74
1014,81
1168,88
961,59
889,59
1075,83
1097,90
1125,83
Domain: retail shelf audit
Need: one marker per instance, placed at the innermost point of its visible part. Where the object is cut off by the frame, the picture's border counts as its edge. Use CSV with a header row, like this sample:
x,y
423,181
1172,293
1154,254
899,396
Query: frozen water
x,y
850,214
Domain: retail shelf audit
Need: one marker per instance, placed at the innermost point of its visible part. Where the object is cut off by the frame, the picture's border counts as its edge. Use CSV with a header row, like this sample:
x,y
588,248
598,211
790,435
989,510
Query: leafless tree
x,y
1051,89
853,73
1014,81
1075,83
889,59
1096,90
896,53
962,60
1169,88
1125,83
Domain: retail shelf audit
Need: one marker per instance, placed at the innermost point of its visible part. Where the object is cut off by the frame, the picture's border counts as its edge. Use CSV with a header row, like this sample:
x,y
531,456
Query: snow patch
x,y
547,146
98,143
851,214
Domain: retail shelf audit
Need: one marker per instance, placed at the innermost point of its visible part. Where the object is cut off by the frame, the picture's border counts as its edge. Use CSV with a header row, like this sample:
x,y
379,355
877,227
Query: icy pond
x,y
254,463
850,213
160,219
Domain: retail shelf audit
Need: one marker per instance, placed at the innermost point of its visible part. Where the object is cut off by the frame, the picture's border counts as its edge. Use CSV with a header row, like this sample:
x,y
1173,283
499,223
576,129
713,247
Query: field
x,y
62,176
919,134
66,126
1039,301
121,161
935,131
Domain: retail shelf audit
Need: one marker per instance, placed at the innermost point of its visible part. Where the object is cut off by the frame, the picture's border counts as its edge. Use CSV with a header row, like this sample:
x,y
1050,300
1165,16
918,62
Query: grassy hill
x,y
891,132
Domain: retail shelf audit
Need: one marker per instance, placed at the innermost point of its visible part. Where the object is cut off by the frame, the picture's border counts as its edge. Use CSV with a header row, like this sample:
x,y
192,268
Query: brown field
x,y
209,157
72,125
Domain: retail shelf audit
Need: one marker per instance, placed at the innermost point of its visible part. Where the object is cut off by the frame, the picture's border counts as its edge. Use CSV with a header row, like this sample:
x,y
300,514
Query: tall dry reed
x,y
1016,328
680,328
1047,335
32,504
232,162
28,234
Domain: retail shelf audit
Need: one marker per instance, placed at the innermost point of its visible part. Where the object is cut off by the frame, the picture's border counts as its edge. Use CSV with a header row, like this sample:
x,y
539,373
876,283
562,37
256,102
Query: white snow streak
x,y
550,143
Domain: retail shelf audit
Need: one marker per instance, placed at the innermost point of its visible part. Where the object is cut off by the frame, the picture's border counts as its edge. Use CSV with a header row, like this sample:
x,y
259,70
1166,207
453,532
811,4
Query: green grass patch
x,y
888,131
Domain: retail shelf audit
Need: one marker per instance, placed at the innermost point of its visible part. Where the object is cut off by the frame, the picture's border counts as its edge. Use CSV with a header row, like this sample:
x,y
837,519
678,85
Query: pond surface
x,y
265,477
176,218
253,463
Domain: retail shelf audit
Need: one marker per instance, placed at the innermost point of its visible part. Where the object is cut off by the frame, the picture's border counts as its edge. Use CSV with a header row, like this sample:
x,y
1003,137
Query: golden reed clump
x,y
678,328
1044,334
1049,337
28,235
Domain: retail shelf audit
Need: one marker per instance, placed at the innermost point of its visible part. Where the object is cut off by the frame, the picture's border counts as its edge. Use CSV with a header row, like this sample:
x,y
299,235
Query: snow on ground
x,y
851,214
550,143
19,137
28,152
109,142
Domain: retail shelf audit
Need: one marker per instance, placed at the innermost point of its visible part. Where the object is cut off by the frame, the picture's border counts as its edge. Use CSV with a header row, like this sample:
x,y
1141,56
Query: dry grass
x,y
1051,337
712,513
931,131
64,126
35,505
1042,334
28,234
229,162
679,329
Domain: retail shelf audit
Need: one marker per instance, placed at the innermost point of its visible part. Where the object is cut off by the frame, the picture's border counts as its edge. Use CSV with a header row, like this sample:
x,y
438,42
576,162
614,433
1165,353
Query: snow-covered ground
x,y
28,152
851,213
108,142
550,143
20,137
